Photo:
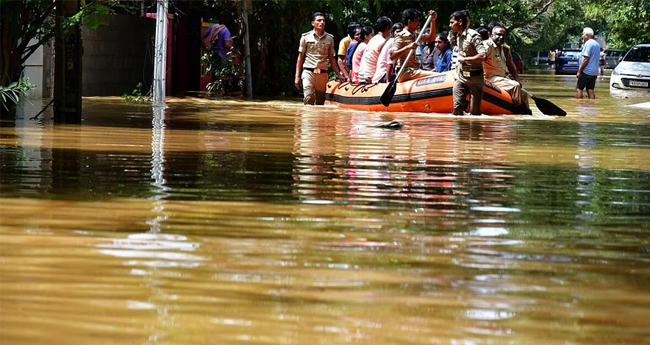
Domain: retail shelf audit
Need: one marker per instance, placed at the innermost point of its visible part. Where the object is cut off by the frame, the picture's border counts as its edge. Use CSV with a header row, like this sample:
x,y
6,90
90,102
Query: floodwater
x,y
267,222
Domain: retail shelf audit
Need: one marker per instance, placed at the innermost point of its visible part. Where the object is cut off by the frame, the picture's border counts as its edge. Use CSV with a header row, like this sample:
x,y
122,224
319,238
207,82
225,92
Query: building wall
x,y
118,56
34,71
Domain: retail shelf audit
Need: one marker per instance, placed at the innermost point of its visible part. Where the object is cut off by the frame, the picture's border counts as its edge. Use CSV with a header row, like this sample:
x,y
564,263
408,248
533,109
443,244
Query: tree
x,y
25,25
20,22
625,22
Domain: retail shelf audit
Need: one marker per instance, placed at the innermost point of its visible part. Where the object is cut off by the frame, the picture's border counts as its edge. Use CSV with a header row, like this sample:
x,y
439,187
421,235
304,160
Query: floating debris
x,y
389,125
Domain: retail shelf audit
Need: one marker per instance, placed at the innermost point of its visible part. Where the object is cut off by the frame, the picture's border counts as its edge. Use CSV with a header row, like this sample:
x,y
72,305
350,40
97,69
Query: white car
x,y
633,72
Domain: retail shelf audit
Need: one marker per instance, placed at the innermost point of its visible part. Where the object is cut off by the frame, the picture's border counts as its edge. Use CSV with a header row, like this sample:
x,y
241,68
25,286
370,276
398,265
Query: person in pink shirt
x,y
384,63
366,34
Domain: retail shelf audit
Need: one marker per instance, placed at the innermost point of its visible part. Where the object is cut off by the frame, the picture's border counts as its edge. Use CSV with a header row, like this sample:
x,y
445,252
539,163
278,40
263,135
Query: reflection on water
x,y
158,166
269,222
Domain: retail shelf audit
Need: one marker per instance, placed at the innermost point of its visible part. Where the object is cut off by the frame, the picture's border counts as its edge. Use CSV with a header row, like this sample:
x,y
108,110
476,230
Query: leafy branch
x,y
135,96
11,93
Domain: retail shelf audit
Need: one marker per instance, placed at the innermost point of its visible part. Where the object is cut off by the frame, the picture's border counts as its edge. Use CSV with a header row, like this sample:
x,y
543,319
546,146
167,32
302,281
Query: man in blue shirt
x,y
588,70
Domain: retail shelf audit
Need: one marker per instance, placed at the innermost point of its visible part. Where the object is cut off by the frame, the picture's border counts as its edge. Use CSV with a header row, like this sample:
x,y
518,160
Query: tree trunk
x,y
68,55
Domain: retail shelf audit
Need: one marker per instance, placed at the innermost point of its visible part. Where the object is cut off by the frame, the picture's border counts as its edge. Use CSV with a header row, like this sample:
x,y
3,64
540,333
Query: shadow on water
x,y
270,222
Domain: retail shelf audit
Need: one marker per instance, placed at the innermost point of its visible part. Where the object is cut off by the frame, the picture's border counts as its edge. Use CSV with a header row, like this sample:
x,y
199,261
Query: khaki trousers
x,y
314,87
413,73
513,88
468,86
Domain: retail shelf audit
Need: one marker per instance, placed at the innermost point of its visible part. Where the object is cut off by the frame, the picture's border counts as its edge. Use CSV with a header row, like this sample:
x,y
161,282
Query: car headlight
x,y
615,72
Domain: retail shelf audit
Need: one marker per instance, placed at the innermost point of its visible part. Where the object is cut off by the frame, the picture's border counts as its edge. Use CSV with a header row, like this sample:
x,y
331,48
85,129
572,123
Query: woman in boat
x,y
366,34
444,58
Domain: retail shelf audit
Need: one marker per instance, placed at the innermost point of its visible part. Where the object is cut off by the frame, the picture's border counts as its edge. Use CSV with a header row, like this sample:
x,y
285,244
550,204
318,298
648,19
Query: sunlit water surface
x,y
267,222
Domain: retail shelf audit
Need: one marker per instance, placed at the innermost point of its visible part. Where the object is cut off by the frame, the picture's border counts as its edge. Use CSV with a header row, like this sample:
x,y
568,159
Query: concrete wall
x,y
34,71
119,56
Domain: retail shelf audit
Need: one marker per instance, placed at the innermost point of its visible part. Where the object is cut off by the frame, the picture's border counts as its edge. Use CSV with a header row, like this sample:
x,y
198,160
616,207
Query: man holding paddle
x,y
405,43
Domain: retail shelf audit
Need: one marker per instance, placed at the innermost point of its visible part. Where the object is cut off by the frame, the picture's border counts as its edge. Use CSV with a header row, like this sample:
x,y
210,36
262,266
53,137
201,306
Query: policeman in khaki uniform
x,y
404,42
501,71
316,48
471,53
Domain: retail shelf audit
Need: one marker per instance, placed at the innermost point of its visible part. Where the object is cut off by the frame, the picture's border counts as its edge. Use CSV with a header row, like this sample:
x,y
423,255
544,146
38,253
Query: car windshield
x,y
638,54
572,54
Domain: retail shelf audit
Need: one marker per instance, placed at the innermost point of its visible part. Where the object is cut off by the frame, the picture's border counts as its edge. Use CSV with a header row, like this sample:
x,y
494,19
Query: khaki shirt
x,y
470,44
510,63
495,64
317,49
402,39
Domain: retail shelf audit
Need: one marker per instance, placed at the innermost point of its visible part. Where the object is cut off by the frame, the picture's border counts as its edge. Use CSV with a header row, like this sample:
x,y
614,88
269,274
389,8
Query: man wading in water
x,y
316,48
471,53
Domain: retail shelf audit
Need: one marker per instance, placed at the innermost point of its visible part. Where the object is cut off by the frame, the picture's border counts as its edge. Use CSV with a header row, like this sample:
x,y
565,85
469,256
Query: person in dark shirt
x,y
445,52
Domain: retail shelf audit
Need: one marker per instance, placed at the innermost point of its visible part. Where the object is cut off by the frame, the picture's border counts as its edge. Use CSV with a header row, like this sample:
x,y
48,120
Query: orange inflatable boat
x,y
427,95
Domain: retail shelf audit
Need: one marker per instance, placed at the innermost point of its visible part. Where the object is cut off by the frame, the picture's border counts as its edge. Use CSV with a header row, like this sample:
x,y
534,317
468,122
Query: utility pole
x,y
67,76
160,53
247,52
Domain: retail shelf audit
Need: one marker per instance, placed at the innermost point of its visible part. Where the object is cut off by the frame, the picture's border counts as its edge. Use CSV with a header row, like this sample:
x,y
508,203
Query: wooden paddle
x,y
388,94
545,106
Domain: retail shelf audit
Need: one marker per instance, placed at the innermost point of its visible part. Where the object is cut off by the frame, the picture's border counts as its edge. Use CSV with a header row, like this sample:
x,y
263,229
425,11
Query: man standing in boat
x,y
405,41
496,69
471,53
316,48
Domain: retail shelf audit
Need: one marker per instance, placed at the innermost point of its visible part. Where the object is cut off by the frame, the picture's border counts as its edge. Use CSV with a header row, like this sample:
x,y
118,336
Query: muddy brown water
x,y
267,222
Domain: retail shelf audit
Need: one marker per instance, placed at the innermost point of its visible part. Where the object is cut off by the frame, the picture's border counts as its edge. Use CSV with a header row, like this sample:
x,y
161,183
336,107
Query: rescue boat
x,y
427,95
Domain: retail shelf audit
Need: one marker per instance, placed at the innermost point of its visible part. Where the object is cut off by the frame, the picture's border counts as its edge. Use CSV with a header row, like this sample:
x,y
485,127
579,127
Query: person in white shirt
x,y
385,65
369,59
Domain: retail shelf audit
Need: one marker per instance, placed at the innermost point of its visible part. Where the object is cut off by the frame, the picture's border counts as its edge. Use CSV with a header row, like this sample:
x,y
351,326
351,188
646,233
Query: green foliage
x,y
10,94
341,12
92,15
26,25
532,25
228,74
627,22
135,96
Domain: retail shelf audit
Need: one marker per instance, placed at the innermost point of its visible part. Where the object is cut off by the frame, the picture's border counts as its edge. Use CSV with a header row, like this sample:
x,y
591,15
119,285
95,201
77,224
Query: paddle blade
x,y
547,107
388,94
